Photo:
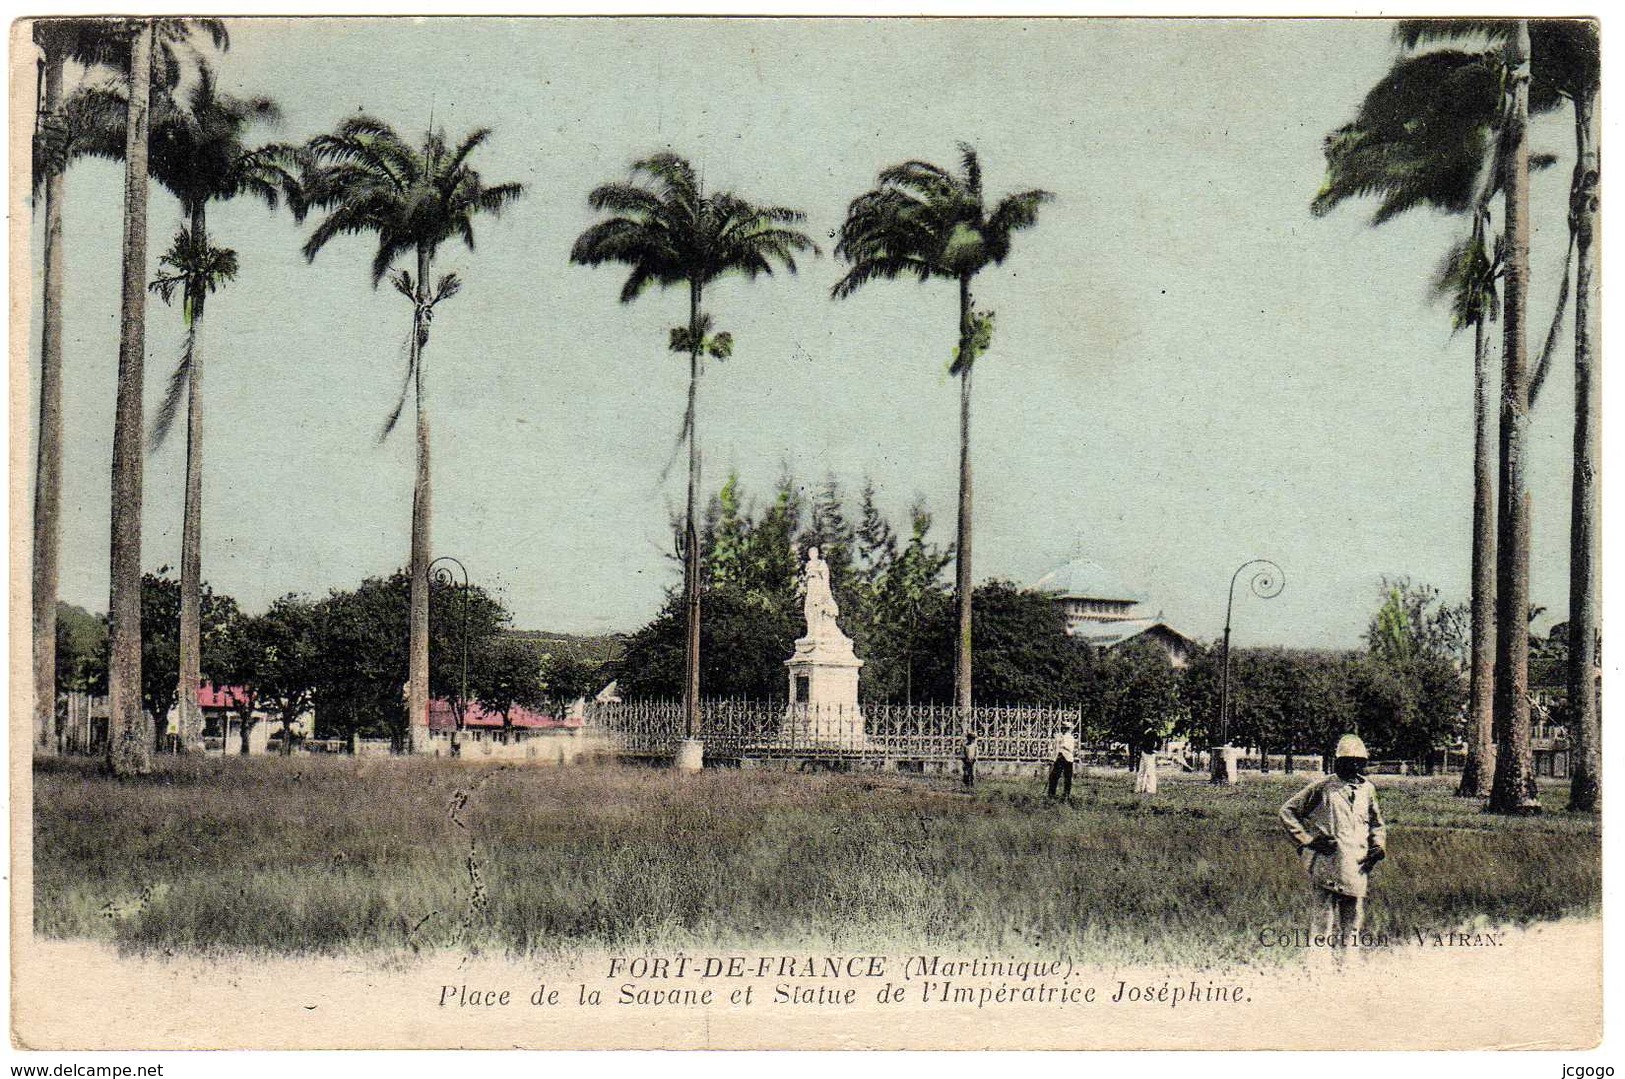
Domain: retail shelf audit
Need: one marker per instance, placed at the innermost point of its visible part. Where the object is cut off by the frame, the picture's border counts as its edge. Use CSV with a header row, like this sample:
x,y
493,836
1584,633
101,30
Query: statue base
x,y
823,711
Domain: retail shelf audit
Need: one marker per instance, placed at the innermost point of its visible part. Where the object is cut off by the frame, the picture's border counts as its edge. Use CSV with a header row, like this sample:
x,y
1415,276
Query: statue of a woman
x,y
819,604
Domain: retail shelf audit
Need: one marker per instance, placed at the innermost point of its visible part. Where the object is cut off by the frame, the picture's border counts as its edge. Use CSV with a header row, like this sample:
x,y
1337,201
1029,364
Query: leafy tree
x,y
507,674
1134,699
1317,708
367,179
484,620
363,660
1412,623
275,662
81,652
743,647
242,657
907,596
669,232
567,678
1408,691
1025,656
923,221
199,153
160,643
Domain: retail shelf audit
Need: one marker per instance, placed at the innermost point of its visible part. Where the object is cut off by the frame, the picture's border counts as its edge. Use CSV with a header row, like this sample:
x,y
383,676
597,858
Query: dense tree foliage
x,y
81,650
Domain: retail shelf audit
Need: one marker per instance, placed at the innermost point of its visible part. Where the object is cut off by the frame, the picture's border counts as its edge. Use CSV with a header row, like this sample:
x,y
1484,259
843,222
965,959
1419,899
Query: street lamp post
x,y
443,575
1266,582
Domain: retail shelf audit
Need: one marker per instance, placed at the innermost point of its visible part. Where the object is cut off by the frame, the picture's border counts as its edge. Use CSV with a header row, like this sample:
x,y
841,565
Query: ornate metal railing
x,y
738,728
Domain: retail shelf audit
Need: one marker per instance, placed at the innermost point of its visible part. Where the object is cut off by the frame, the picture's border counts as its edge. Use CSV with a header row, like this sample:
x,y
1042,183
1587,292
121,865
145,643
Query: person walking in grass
x,y
1338,827
1063,750
967,758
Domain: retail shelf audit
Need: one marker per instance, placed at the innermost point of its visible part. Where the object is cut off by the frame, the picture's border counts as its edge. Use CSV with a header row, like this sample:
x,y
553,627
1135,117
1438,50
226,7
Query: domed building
x,y
1103,612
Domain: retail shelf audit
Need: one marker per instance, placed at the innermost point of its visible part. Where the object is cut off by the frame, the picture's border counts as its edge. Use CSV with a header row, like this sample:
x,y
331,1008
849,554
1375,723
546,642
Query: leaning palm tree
x,y
67,127
199,154
923,221
369,180
670,232
157,53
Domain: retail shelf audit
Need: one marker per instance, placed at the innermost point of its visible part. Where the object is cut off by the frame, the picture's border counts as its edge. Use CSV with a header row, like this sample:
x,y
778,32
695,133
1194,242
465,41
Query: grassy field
x,y
340,856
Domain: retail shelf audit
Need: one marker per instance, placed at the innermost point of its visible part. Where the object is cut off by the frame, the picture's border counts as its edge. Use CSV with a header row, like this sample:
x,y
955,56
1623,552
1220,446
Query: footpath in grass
x,y
331,856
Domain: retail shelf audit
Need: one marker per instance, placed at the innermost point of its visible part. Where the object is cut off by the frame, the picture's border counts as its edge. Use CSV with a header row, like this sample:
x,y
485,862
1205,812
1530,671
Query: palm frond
x,y
971,166
1554,332
394,416
174,393
448,286
1413,33
1421,137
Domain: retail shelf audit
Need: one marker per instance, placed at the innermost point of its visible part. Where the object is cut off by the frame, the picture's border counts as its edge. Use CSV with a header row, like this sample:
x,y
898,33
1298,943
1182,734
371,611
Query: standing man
x,y
1340,835
1063,749
967,757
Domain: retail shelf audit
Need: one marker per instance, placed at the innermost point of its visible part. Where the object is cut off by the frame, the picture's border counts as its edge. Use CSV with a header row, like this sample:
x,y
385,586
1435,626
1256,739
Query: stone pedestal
x,y
1226,761
823,711
690,755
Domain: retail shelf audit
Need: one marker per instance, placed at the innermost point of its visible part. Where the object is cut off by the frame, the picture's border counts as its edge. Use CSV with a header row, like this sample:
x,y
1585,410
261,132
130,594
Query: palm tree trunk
x,y
1514,788
691,539
962,556
129,747
48,474
417,693
1585,779
190,734
1480,766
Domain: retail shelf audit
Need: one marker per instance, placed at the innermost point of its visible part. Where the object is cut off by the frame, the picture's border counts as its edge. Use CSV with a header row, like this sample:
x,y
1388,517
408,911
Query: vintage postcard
x,y
789,533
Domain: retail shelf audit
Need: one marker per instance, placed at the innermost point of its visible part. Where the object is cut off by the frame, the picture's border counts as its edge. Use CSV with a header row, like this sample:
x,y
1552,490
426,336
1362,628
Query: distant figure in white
x,y
819,605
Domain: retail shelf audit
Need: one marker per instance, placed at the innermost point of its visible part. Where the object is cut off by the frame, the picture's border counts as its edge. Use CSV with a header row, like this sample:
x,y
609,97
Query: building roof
x,y
477,718
1112,634
211,696
1083,579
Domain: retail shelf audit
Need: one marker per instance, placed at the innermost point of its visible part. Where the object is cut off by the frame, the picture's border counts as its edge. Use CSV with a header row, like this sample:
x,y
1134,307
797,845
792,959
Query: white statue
x,y
819,604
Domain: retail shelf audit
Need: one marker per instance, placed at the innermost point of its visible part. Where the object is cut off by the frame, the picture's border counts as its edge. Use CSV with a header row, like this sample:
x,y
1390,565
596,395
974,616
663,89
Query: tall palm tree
x,y
65,129
157,53
924,221
1564,59
1430,134
369,180
199,154
670,232
1426,136
1585,205
1513,790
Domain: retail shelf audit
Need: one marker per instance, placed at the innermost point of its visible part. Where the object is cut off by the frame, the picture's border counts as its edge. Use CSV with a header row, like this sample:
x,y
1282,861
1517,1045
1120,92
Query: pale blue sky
x,y
1188,371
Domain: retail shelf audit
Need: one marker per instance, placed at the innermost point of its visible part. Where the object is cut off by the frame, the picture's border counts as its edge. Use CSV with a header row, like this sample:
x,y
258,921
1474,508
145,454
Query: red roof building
x,y
476,718
212,696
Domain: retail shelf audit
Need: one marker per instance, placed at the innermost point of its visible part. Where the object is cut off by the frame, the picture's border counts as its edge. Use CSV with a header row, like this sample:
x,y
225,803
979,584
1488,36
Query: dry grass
x,y
335,855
